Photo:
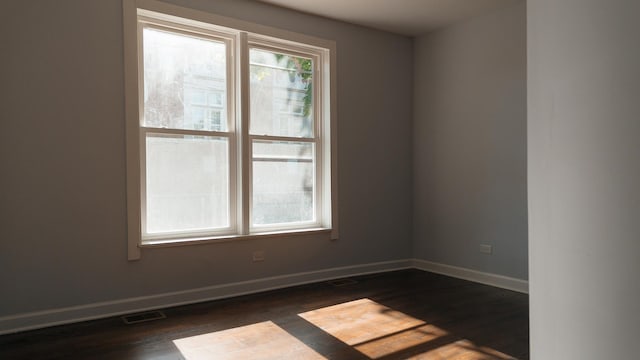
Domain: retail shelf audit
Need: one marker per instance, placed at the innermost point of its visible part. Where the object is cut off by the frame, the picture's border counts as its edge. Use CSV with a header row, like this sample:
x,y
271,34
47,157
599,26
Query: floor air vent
x,y
143,317
342,282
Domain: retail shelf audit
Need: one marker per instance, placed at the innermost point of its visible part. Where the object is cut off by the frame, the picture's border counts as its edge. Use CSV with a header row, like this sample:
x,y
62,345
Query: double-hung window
x,y
229,129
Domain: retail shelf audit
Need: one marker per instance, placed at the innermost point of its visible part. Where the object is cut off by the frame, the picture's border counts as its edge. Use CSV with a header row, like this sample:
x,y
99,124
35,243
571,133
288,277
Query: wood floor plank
x,y
407,314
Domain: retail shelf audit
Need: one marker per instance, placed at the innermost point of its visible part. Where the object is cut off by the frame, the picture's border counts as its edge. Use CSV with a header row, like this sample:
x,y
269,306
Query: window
x,y
229,129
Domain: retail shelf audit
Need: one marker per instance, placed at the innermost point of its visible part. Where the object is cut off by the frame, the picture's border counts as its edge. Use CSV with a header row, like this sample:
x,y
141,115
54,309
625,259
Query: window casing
x,y
229,129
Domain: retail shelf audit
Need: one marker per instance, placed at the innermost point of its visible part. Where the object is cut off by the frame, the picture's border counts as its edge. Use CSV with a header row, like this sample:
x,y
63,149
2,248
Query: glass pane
x,y
283,182
184,81
187,183
281,94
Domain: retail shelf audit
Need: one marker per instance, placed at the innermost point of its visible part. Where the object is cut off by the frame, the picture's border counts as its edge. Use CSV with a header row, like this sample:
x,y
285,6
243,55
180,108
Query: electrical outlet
x,y
486,249
258,255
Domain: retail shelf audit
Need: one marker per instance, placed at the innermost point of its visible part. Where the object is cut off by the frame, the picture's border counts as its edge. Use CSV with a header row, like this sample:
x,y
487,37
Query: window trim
x,y
248,34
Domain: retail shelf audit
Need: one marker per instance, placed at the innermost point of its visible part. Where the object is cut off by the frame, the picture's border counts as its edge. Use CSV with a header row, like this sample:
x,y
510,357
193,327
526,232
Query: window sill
x,y
227,238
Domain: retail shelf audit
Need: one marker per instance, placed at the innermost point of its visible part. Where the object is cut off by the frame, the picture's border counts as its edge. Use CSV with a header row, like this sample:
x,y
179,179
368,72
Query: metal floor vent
x,y
342,282
143,317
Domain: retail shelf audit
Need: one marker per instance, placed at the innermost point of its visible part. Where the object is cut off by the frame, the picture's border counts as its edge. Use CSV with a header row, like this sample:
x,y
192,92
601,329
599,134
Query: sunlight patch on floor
x,y
461,350
373,329
378,331
263,340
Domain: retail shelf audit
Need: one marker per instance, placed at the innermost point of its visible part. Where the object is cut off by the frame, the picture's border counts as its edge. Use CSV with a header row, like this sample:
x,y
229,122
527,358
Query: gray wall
x,y
469,143
584,172
62,154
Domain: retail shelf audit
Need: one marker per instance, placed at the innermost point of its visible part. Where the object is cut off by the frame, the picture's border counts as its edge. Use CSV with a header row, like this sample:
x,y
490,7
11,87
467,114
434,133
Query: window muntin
x,y
219,109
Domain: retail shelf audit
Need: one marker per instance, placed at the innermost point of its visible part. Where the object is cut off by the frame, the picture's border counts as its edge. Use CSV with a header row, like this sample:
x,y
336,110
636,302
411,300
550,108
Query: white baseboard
x,y
60,316
500,281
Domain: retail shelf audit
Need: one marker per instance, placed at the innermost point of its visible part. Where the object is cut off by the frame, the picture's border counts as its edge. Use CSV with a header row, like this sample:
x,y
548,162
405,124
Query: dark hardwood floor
x,y
396,315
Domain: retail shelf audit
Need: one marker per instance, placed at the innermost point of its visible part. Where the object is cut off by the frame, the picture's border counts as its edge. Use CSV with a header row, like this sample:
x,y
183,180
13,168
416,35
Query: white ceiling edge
x,y
404,17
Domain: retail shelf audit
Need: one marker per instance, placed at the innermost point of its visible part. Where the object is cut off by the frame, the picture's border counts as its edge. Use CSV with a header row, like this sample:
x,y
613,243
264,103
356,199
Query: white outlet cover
x,y
258,255
486,249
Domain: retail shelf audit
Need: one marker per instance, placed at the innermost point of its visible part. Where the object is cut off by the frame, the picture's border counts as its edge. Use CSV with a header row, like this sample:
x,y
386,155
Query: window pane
x,y
281,94
283,182
184,79
187,183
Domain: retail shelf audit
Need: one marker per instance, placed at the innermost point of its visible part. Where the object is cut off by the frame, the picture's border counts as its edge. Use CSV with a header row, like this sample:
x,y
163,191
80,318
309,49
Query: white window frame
x,y
240,36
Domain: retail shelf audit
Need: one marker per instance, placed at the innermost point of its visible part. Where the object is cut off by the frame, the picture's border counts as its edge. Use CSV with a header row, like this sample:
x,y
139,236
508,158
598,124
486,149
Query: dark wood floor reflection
x,y
406,314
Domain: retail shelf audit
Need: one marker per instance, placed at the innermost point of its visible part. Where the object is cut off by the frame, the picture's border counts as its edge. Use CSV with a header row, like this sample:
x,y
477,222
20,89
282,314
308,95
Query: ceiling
x,y
406,17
